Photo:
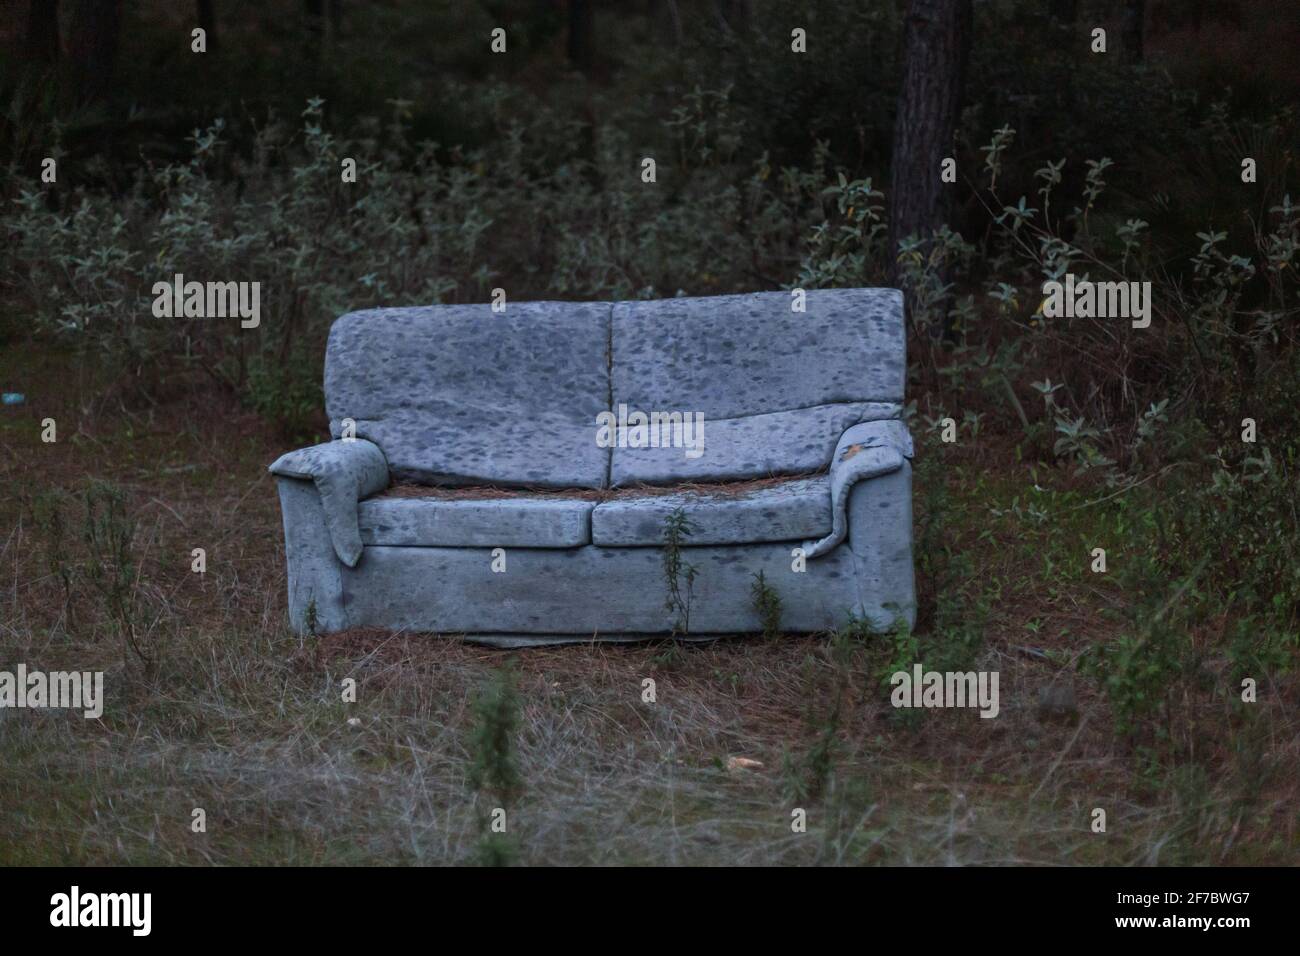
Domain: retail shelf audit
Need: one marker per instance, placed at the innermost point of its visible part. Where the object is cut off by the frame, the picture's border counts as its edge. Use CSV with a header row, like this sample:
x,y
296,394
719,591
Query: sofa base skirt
x,y
538,595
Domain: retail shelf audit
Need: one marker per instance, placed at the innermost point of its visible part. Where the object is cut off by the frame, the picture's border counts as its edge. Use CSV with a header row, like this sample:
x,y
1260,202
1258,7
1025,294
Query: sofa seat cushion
x,y
739,513
498,521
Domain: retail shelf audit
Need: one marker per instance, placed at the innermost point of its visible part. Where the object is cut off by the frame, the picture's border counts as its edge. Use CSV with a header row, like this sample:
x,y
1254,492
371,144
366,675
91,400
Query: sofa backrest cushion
x,y
776,387
459,394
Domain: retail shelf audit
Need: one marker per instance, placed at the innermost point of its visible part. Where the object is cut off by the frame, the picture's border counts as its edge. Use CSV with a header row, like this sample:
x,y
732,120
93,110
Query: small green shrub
x,y
493,769
679,574
494,772
48,514
767,605
113,569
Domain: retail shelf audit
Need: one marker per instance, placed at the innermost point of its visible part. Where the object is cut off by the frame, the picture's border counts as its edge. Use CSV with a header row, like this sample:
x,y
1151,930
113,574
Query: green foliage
x,y
495,849
789,100
493,770
810,773
1224,561
1144,669
767,605
113,569
850,243
311,617
288,393
679,574
413,228
952,616
48,514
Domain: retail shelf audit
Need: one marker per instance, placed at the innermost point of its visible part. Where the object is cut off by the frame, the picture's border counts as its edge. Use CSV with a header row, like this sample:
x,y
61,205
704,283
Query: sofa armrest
x,y
344,472
866,450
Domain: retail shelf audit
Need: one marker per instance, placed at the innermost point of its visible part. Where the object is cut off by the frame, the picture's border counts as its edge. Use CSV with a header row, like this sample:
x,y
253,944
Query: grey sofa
x,y
470,489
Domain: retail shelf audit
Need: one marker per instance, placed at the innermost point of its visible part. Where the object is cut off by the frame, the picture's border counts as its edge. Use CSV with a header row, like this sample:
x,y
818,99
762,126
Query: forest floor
x,y
244,720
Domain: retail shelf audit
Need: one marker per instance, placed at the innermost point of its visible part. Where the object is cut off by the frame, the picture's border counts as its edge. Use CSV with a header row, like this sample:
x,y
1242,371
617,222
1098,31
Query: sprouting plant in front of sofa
x,y
767,604
310,618
494,771
677,528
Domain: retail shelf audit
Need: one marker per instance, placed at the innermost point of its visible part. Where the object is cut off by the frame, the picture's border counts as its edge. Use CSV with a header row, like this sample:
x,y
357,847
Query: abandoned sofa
x,y
492,475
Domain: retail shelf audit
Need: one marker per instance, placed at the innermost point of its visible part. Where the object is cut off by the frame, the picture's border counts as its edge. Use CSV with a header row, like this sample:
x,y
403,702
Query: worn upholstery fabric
x,y
460,394
866,450
473,523
776,387
344,472
788,511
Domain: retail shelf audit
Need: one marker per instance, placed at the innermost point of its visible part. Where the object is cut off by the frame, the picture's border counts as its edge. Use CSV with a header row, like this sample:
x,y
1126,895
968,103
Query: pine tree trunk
x,y
737,14
936,48
208,22
314,35
43,31
1065,12
336,20
92,45
1134,24
582,26
1065,18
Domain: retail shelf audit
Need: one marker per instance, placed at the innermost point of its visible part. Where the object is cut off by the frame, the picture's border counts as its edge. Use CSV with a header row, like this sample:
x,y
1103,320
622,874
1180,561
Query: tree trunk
x,y
936,48
1134,26
315,11
674,20
1065,12
582,26
314,33
336,20
43,31
736,15
208,22
92,45
1065,18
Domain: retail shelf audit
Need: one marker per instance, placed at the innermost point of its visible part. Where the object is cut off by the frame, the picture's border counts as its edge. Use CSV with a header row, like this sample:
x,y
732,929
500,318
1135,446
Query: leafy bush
x,y
414,228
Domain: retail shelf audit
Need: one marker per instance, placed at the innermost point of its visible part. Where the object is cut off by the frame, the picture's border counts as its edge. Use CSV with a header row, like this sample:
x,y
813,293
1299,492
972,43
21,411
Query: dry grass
x,y
246,721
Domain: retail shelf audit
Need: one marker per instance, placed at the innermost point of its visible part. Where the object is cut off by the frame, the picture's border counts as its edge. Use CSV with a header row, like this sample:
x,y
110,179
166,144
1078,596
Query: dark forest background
x,y
1174,447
